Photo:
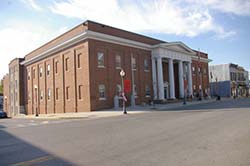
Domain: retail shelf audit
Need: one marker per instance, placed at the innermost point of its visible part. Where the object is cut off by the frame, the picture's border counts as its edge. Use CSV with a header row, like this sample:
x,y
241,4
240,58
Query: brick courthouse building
x,y
79,71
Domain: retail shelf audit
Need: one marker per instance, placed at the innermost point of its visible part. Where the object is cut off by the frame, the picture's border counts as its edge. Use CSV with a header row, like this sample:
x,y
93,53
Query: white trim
x,y
106,38
166,45
201,59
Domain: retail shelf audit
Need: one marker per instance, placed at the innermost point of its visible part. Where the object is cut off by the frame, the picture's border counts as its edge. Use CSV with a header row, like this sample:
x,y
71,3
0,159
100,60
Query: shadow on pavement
x,y
16,152
216,105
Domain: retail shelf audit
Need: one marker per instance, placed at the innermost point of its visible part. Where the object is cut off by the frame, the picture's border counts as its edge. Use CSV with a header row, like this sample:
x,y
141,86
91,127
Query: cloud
x,y
17,40
32,4
162,16
236,7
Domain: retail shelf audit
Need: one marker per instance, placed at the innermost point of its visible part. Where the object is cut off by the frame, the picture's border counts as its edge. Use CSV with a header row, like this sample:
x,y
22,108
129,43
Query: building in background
x,y
229,80
79,71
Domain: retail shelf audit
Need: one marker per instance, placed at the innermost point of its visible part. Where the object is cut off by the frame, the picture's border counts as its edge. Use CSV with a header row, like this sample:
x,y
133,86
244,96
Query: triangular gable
x,y
176,46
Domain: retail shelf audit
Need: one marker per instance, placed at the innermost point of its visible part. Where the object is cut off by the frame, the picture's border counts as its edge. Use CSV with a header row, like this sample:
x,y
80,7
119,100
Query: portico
x,y
171,68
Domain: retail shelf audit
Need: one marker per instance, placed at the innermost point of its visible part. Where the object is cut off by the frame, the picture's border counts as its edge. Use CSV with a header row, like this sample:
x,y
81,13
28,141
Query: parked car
x,y
3,114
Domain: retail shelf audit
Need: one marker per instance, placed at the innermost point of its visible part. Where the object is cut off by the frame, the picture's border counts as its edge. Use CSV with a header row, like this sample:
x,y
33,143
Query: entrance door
x,y
35,109
166,96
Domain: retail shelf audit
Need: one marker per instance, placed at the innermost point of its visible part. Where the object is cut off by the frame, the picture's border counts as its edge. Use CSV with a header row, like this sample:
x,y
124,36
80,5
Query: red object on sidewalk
x,y
127,86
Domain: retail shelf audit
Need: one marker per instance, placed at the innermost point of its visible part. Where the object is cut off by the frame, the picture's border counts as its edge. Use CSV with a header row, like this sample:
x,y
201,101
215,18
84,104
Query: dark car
x,y
3,114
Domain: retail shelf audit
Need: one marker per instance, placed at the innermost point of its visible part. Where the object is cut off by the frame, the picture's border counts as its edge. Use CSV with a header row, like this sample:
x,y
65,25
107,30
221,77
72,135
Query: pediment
x,y
177,47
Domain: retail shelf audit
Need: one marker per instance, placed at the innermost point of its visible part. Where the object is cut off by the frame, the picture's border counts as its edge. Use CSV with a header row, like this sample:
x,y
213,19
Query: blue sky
x,y
220,28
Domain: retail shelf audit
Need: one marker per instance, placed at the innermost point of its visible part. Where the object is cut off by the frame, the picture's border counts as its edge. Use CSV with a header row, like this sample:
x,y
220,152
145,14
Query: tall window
x,y
79,60
135,90
80,90
133,63
41,72
56,67
100,59
146,65
204,71
101,91
28,74
41,95
34,73
49,94
67,64
57,93
118,62
193,70
67,93
147,91
48,69
118,89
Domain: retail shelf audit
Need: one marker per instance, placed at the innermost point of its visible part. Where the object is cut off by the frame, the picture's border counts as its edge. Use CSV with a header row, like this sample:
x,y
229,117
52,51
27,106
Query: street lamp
x,y
122,74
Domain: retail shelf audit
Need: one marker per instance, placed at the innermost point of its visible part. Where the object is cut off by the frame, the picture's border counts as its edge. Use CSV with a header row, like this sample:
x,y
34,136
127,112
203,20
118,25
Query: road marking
x,y
44,122
34,161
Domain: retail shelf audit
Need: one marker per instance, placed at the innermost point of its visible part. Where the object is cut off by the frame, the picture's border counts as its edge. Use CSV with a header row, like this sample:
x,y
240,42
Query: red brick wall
x,y
58,81
110,77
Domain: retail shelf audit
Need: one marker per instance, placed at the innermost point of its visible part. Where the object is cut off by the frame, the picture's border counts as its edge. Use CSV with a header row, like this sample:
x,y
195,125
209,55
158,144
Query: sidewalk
x,y
112,112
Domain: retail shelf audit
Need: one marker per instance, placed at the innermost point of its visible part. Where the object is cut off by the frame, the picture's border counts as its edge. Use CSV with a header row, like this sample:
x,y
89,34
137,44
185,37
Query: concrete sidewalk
x,y
112,112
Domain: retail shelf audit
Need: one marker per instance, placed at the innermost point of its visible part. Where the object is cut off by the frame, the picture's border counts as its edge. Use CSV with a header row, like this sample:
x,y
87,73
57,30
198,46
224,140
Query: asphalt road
x,y
214,134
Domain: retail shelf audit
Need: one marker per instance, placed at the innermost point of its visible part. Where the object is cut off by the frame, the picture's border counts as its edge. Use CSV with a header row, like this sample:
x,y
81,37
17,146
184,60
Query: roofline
x,y
161,41
88,34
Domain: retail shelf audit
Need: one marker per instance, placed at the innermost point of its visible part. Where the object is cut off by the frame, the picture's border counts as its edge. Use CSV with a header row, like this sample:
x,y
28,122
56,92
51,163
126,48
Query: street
x,y
209,134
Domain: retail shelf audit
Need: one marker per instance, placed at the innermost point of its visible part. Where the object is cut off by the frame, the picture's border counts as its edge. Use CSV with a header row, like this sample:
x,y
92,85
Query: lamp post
x,y
122,74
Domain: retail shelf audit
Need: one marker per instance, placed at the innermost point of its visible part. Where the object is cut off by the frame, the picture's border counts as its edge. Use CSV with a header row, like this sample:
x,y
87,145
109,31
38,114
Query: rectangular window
x,y
56,67
57,92
48,69
100,58
29,95
67,64
67,93
147,91
49,94
118,62
80,90
41,72
118,89
101,91
193,69
146,65
28,74
204,71
133,63
135,90
41,95
79,60
34,73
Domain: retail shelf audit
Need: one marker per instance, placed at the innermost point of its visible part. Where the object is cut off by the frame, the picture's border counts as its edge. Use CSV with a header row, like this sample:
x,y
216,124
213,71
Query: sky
x,y
219,28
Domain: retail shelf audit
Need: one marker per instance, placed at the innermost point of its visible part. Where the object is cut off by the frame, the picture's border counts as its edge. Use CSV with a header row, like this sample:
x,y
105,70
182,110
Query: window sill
x,y
118,68
147,96
102,99
101,66
146,71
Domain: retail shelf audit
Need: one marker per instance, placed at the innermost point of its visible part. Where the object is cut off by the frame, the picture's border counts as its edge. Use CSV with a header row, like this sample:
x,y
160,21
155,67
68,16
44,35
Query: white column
x,y
181,81
171,78
190,84
154,78
160,79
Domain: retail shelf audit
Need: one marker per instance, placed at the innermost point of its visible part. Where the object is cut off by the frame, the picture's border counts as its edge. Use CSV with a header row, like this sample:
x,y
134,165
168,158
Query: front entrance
x,y
166,91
